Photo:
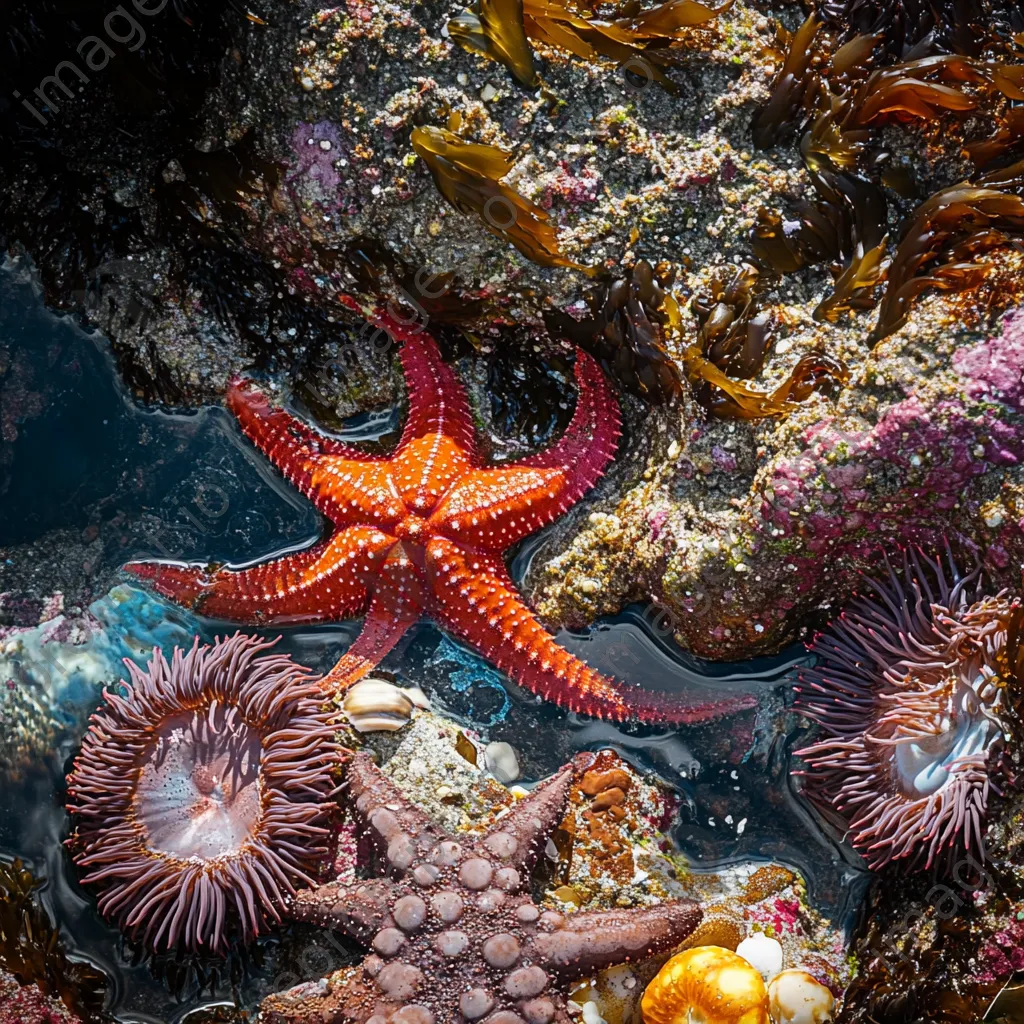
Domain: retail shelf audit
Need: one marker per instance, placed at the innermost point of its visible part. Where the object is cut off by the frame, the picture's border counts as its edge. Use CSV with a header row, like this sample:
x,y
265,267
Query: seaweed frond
x,y
630,319
947,234
957,26
855,287
468,175
733,335
731,348
639,40
795,88
736,399
494,28
31,948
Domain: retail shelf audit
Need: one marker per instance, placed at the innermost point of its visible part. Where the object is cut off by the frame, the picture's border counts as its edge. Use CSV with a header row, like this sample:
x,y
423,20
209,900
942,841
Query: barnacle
x,y
468,175
948,232
31,948
625,332
494,28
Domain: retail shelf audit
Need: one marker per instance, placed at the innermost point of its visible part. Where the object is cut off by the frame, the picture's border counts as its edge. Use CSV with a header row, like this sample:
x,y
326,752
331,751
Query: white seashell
x,y
763,952
375,705
501,761
794,997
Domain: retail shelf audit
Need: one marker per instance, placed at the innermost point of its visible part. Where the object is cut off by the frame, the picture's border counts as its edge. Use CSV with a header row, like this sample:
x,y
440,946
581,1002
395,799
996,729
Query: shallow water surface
x,y
121,481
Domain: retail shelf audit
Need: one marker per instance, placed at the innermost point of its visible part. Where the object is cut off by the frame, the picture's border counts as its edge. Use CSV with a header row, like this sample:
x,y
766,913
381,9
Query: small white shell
x,y
501,761
375,705
794,997
763,952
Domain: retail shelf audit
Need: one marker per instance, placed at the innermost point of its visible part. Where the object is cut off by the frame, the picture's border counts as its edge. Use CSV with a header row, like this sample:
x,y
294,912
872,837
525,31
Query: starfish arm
x,y
322,583
437,399
338,999
400,830
474,598
438,443
532,819
495,508
342,482
593,940
397,604
359,908
291,444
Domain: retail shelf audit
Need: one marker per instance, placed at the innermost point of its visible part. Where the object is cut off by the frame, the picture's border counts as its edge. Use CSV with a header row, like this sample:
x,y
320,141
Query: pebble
x,y
762,952
501,761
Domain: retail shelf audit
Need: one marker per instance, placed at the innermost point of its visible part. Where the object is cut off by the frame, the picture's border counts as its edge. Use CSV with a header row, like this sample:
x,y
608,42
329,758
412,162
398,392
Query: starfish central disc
x,y
414,528
422,533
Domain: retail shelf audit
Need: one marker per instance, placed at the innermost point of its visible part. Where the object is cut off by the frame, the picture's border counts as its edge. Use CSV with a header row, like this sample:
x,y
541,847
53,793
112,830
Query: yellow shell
x,y
708,984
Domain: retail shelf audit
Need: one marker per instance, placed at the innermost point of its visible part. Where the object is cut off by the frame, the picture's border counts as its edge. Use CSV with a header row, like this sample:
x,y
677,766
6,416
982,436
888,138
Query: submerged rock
x,y
53,673
26,1004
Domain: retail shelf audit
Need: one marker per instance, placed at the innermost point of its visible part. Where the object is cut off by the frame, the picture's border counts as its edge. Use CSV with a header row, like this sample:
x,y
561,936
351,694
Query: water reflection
x,y
153,484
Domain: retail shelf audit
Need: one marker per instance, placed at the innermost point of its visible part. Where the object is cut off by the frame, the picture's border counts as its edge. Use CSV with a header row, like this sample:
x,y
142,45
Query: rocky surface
x,y
26,1004
293,195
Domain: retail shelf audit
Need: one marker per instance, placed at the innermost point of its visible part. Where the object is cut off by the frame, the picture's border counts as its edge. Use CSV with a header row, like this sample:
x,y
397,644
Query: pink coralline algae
x,y
1003,954
571,188
26,1004
820,515
316,147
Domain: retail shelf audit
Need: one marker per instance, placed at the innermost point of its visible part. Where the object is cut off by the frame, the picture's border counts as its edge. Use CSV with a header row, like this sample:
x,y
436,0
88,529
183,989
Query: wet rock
x,y
26,1004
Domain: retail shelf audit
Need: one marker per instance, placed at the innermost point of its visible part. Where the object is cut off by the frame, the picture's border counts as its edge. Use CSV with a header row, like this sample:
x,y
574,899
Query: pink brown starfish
x,y
422,532
454,933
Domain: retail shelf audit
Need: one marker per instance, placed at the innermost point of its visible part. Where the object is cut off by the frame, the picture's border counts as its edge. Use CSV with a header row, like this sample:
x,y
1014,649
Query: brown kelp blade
x,y
468,173
494,28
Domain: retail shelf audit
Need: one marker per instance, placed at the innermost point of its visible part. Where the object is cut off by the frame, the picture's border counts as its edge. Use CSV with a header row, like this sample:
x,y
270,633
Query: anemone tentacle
x,y
909,692
201,794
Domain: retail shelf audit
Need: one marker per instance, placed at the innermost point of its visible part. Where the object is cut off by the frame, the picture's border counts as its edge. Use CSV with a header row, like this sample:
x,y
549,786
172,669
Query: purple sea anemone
x,y
909,689
201,794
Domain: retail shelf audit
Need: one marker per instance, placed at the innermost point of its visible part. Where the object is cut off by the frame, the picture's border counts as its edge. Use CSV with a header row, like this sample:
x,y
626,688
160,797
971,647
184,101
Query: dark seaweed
x,y
31,949
945,237
625,332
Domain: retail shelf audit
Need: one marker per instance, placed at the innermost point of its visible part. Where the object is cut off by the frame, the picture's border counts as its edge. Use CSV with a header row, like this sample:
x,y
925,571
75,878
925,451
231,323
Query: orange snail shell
x,y
716,983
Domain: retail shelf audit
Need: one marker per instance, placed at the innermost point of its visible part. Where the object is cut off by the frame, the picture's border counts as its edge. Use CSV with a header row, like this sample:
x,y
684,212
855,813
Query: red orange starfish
x,y
423,532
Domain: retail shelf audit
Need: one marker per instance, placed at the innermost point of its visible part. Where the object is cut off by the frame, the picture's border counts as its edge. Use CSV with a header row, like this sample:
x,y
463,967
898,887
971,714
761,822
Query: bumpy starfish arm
x,y
495,508
438,443
359,908
320,584
297,450
519,836
475,599
396,605
593,940
437,399
401,831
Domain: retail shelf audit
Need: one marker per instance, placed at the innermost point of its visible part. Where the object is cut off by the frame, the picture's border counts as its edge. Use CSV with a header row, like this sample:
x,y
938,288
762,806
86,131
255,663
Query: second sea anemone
x,y
201,794
910,693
